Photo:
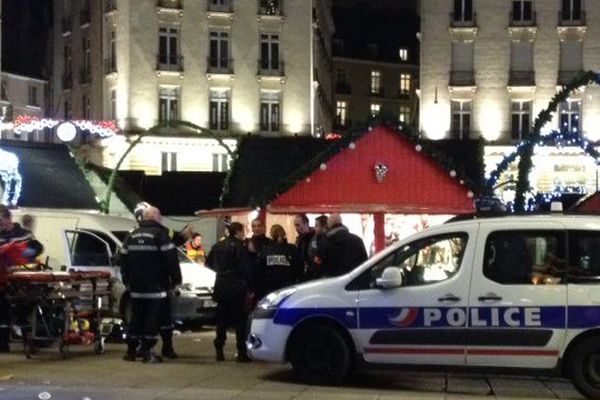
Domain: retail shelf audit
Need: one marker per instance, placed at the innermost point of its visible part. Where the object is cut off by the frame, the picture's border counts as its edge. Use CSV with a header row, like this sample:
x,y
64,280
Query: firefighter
x,y
150,268
12,233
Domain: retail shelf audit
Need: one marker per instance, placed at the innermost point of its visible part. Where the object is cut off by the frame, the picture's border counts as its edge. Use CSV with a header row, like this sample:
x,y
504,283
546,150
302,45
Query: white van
x,y
89,241
519,293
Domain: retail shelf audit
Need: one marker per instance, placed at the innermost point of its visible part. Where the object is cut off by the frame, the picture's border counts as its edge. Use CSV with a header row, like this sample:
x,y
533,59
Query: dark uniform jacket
x,y
229,259
340,252
149,262
32,248
313,270
303,245
278,267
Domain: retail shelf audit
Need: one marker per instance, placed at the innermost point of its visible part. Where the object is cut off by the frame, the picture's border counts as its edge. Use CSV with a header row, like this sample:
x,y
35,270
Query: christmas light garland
x,y
28,123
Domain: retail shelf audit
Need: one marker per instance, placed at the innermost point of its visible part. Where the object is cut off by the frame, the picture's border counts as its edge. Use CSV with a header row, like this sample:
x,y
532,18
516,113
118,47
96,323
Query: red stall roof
x,y
412,181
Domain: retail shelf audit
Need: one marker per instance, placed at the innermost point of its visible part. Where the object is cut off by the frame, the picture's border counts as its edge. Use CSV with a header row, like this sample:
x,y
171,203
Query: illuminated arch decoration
x,y
526,148
101,129
9,173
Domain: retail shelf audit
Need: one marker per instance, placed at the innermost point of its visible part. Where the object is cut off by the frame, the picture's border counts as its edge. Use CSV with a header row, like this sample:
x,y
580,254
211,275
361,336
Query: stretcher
x,y
63,307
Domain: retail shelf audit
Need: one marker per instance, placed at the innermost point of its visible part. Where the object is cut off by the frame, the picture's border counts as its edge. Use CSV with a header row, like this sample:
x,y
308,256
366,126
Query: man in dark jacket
x,y
12,233
305,235
341,251
313,270
229,259
150,268
277,264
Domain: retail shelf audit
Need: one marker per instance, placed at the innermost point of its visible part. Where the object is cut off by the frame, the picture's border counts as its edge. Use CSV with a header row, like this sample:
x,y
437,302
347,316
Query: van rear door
x,y
87,251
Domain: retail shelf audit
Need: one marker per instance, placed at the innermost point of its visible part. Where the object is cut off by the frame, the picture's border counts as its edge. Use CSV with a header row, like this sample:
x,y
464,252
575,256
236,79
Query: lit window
x,y
404,114
270,111
403,54
375,109
405,84
570,117
168,103
520,118
341,110
375,82
219,110
461,119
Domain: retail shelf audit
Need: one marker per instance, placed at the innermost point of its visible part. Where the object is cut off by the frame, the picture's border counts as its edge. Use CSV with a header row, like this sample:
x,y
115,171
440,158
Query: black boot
x,y
167,351
220,354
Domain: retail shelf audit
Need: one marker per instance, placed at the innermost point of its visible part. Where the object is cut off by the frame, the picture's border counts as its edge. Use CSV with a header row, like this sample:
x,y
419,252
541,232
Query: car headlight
x,y
273,300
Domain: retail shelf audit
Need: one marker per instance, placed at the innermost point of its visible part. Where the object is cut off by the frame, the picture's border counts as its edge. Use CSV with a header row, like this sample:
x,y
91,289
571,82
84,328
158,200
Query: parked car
x,y
89,241
516,293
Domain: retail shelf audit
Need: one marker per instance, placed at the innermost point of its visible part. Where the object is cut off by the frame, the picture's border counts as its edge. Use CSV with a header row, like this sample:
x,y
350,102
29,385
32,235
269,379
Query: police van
x,y
509,292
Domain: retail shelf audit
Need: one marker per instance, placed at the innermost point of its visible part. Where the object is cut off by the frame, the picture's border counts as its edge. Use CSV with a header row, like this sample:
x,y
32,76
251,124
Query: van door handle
x,y
490,297
449,298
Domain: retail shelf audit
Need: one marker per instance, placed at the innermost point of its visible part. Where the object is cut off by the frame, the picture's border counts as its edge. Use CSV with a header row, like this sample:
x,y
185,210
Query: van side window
x,y
584,256
430,260
525,257
87,251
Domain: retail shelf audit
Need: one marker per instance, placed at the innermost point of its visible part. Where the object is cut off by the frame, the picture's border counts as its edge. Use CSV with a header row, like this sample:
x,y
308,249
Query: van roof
x,y
571,221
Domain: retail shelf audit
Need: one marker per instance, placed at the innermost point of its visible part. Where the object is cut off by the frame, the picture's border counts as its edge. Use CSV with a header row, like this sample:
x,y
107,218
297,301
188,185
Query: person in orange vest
x,y
194,249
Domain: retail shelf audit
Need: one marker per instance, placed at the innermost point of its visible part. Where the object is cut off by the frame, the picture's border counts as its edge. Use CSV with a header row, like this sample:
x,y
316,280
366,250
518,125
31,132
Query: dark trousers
x,y
144,324
232,312
165,322
4,322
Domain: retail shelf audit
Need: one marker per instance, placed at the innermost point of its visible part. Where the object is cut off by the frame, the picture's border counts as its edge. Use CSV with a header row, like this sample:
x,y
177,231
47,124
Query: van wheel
x,y
583,367
319,354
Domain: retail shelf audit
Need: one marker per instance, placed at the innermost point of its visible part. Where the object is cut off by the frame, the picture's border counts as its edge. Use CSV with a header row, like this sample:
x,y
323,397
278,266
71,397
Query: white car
x,y
88,241
509,293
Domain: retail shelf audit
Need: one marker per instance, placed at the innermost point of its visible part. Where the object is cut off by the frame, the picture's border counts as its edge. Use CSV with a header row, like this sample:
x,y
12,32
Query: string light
x,y
28,123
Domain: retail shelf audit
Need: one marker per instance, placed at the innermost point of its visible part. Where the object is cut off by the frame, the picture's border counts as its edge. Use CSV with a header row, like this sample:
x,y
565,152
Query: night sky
x,y
26,41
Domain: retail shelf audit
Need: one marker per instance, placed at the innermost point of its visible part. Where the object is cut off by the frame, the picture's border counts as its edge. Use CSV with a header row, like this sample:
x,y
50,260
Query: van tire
x,y
319,354
583,367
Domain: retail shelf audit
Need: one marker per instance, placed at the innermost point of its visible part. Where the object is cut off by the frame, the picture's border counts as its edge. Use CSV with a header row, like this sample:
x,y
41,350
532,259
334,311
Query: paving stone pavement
x,y
195,375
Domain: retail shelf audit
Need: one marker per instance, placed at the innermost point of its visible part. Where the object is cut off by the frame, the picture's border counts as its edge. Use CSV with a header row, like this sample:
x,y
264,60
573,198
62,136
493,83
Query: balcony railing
x,y
85,15
172,4
66,24
227,7
217,65
565,77
521,78
523,20
169,63
343,88
110,6
271,68
270,7
85,76
380,92
342,125
110,66
404,94
462,78
67,81
463,20
571,19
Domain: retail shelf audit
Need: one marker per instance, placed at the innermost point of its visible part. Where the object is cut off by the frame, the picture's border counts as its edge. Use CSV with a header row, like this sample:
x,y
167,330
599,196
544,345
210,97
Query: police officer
x,y
150,268
12,232
278,264
233,286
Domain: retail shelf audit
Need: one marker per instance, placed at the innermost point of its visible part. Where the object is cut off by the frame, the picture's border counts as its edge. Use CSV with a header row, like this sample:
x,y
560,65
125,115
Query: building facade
x,y
488,67
21,95
375,67
233,67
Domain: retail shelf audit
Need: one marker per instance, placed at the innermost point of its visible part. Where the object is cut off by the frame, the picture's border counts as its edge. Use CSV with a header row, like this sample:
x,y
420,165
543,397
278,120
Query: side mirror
x,y
390,278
